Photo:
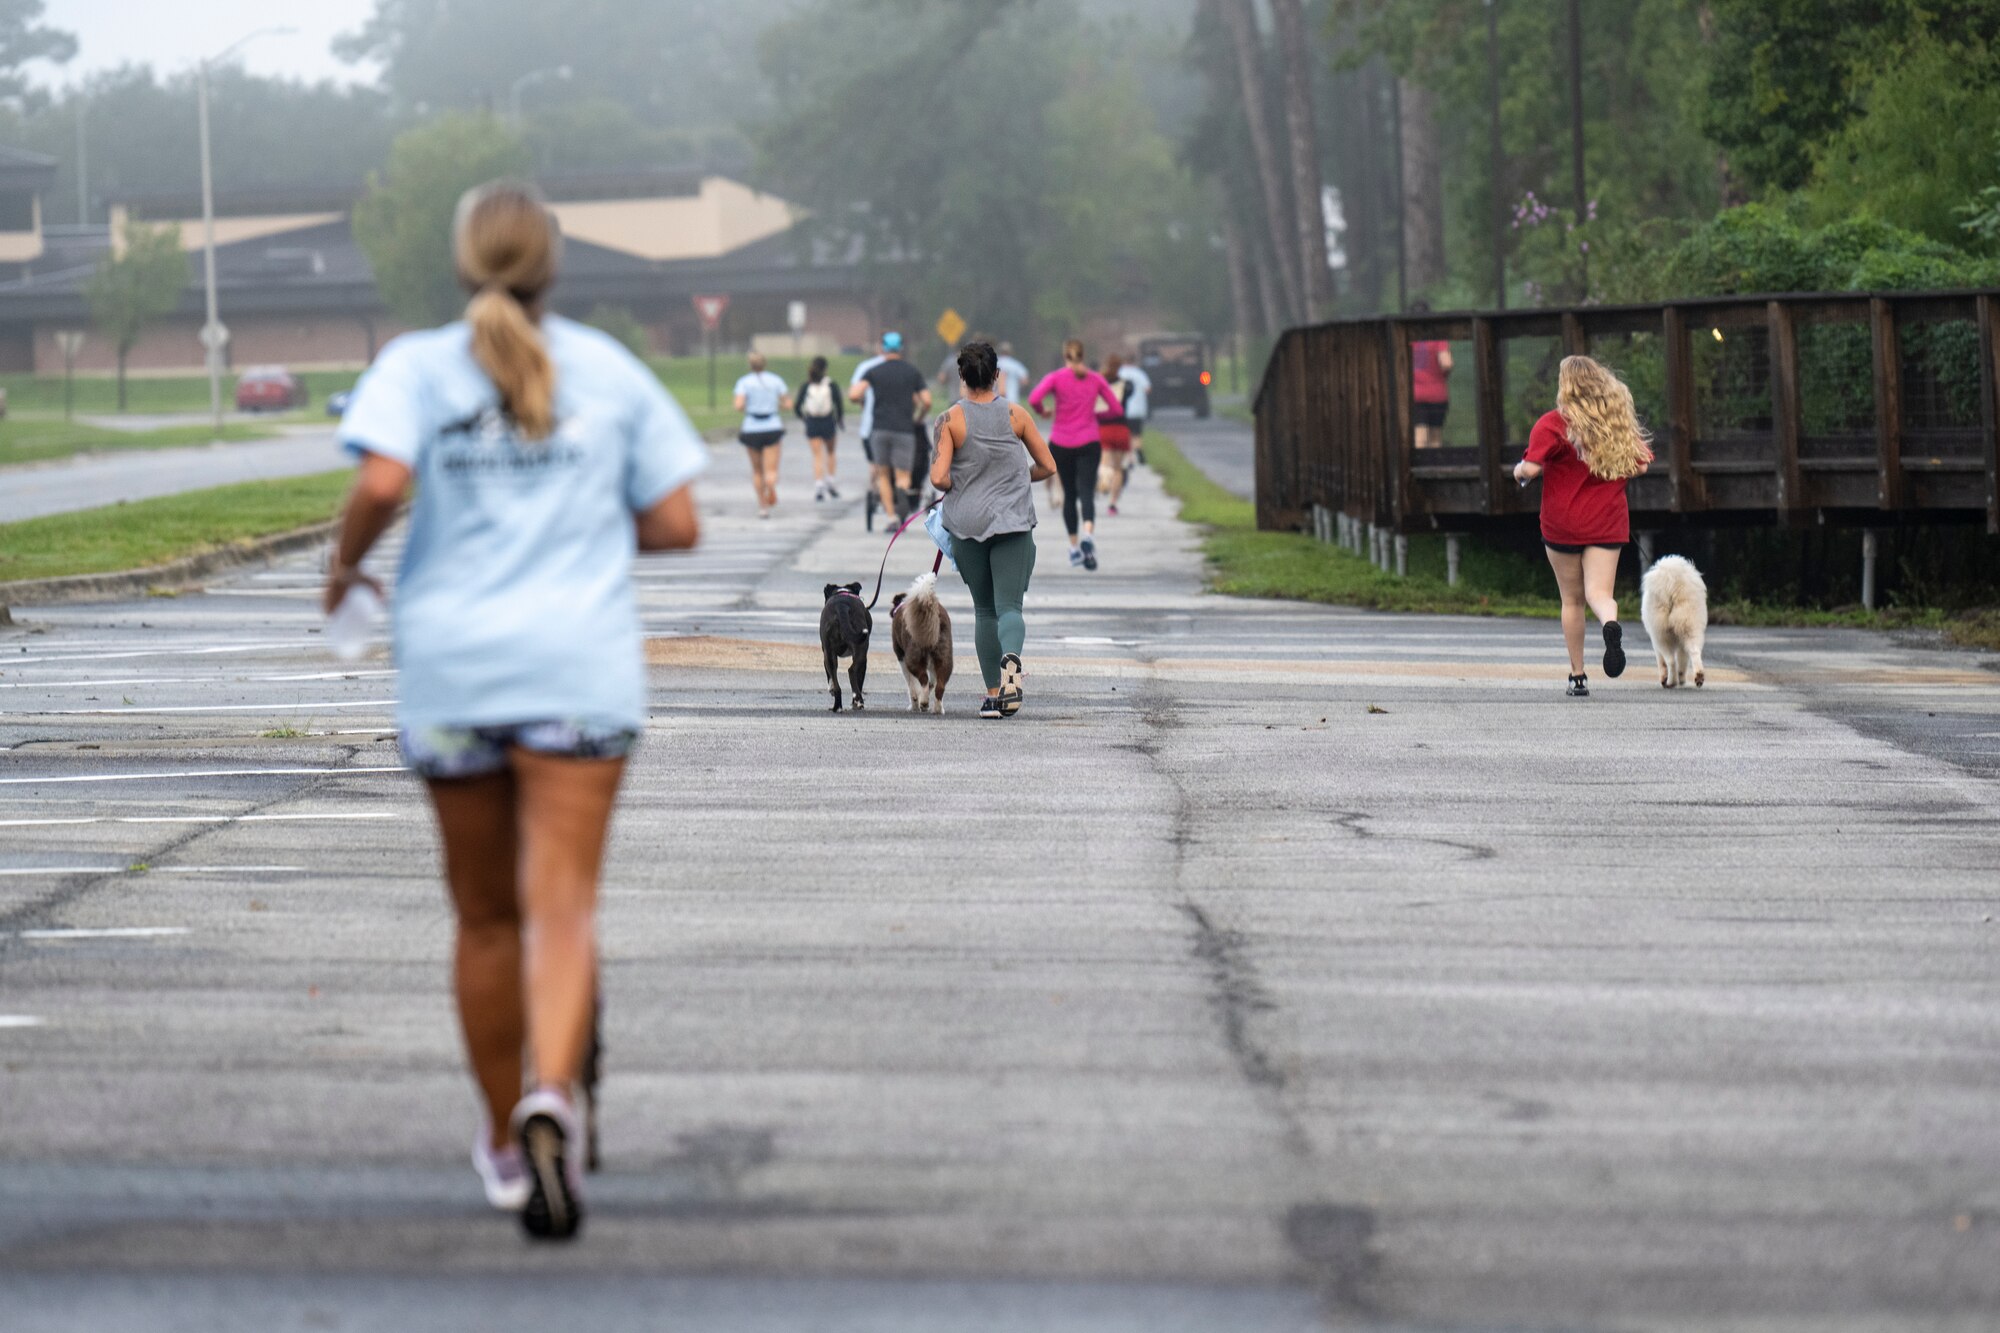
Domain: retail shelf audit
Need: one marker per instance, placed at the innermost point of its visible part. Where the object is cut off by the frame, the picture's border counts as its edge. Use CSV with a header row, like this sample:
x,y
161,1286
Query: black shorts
x,y
1137,425
1430,414
821,428
761,439
1565,548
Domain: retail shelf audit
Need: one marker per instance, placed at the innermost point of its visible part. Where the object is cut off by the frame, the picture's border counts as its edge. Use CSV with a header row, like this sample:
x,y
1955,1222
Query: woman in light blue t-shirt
x,y
763,401
546,455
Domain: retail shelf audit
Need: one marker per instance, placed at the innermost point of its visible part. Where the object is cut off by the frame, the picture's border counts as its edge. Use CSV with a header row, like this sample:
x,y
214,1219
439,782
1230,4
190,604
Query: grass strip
x,y
1244,562
145,533
33,440
97,394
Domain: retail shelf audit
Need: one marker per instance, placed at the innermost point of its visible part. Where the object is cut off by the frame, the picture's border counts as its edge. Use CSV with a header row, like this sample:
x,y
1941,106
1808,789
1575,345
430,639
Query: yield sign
x,y
710,309
951,326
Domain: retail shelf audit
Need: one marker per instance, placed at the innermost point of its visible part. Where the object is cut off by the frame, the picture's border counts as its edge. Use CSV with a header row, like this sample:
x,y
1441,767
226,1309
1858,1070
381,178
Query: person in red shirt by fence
x,y
1584,452
1430,387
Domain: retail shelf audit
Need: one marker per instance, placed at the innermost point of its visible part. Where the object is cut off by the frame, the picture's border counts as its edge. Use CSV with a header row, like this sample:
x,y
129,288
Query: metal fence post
x,y
1451,557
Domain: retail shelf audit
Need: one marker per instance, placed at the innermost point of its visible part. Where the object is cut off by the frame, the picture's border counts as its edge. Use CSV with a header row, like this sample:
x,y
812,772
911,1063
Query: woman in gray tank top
x,y
989,454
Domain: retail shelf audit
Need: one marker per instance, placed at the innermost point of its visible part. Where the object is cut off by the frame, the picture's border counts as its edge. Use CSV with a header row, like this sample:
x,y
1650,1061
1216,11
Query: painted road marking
x,y
227,870
198,773
196,819
194,708
104,933
65,870
205,681
19,1021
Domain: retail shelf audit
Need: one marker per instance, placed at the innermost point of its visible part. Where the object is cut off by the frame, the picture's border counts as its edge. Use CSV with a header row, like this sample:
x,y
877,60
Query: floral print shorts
x,y
471,752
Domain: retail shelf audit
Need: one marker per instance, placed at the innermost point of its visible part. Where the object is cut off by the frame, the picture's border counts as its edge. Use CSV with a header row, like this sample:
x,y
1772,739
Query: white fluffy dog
x,y
1676,612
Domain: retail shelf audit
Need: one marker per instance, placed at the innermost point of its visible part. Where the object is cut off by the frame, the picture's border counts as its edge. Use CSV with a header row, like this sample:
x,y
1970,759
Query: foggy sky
x,y
171,37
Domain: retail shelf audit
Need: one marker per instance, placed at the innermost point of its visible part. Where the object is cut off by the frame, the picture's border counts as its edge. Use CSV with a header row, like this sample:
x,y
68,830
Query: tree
x,y
1784,77
1240,17
1423,189
23,40
131,289
403,223
1302,136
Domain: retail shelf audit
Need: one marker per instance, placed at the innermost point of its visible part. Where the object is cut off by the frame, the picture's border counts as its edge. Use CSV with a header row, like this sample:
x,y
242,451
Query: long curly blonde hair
x,y
1603,426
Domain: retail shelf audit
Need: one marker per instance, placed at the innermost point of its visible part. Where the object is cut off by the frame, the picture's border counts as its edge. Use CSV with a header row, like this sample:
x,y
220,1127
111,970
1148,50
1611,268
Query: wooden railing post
x,y
1402,439
1785,407
1989,406
1888,403
1575,341
1680,411
1492,417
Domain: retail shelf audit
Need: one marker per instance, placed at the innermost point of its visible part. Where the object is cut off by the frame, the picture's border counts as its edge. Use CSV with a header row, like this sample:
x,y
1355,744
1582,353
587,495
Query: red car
x,y
269,389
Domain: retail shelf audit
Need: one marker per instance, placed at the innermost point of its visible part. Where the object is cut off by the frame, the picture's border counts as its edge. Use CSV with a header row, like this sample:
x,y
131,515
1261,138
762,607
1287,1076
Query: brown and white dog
x,y
920,631
1676,613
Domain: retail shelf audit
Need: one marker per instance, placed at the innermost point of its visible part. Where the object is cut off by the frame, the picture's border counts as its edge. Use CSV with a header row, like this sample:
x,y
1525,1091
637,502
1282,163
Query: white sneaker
x,y
503,1171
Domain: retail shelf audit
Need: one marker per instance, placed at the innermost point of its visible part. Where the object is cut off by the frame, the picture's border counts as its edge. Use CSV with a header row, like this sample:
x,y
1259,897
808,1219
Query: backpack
x,y
818,399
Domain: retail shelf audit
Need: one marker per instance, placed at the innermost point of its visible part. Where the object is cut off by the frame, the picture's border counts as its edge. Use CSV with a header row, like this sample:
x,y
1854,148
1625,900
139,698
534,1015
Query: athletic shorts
x,y
896,450
1565,548
761,439
442,753
1137,425
821,428
1431,414
1115,439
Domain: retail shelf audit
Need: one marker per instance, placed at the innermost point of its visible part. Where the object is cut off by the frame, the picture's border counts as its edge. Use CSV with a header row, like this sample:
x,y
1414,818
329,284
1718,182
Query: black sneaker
x,y
1614,649
1010,684
1089,554
1579,687
990,707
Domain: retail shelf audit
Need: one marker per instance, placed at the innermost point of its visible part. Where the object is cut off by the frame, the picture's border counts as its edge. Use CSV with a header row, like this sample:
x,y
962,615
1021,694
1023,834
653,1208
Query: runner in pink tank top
x,y
1077,390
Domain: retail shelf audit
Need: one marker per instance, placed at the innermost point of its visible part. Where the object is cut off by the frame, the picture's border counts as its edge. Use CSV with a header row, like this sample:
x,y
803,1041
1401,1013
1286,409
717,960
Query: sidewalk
x,y
90,480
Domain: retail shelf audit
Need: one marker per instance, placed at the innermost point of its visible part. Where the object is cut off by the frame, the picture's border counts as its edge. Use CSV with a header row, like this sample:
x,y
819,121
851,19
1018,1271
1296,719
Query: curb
x,y
179,574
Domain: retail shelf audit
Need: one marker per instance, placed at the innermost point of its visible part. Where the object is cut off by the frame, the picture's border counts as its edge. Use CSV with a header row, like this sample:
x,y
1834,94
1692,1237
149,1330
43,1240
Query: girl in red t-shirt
x,y
1584,452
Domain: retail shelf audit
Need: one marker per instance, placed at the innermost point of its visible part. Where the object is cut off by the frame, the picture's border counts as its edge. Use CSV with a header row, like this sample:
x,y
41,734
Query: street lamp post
x,y
533,76
213,336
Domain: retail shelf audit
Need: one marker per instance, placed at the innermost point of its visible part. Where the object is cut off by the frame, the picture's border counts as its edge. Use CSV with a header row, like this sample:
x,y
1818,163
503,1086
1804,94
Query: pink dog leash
x,y
881,573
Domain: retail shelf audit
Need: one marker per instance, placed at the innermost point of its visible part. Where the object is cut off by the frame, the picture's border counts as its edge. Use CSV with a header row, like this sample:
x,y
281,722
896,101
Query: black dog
x,y
844,627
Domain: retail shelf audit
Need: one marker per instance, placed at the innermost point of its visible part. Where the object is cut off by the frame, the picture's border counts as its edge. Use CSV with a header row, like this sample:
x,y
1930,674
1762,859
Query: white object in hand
x,y
352,622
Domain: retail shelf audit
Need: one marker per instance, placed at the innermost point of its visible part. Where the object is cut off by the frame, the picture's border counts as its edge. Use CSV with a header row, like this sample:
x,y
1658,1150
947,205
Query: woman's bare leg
x,y
564,809
771,474
476,820
1569,580
822,459
1600,579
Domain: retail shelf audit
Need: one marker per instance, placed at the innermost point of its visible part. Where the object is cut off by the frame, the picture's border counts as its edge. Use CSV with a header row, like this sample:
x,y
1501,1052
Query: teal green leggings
x,y
997,571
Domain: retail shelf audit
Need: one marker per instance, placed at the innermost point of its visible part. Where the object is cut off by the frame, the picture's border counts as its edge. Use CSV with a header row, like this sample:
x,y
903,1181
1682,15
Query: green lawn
x,y
97,395
1247,563
145,533
32,439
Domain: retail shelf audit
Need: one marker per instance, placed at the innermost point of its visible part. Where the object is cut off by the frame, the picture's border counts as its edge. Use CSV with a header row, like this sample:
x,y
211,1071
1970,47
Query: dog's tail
x,y
920,610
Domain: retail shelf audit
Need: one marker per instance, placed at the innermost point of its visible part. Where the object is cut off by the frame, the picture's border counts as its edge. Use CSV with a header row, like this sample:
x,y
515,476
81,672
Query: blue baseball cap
x,y
892,342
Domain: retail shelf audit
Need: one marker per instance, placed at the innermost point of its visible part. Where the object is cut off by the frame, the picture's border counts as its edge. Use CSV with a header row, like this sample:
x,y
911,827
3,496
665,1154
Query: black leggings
x,y
1076,466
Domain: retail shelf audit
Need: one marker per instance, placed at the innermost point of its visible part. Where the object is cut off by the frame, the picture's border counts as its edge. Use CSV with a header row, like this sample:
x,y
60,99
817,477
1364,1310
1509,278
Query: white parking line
x,y
195,708
19,1021
14,871
227,870
105,933
197,773
195,819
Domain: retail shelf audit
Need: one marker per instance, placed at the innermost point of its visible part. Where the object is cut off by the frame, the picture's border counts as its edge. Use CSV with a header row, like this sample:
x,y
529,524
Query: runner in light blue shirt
x,y
542,455
763,400
514,602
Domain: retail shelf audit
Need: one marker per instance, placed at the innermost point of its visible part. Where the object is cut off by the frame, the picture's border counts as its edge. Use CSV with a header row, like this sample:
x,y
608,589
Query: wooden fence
x,y
1848,408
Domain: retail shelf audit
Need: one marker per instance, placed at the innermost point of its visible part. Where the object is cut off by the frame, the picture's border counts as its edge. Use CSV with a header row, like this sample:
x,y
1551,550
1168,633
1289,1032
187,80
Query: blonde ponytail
x,y
509,348
507,249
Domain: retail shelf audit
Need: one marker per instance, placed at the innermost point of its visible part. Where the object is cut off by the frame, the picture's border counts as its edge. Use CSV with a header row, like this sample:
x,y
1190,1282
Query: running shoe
x,y
1579,687
1010,684
1614,649
1113,511
763,511
832,491
990,707
503,1171
819,491
545,1125
1075,558
1089,554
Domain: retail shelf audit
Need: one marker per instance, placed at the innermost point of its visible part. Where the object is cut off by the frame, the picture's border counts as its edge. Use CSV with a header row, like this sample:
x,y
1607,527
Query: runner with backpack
x,y
821,408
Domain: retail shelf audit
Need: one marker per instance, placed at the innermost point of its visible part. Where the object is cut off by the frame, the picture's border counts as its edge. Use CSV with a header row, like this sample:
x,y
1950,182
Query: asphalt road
x,y
1282,967
36,489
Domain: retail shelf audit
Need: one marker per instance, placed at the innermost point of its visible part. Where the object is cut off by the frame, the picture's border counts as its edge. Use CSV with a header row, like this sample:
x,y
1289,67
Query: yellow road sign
x,y
951,326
